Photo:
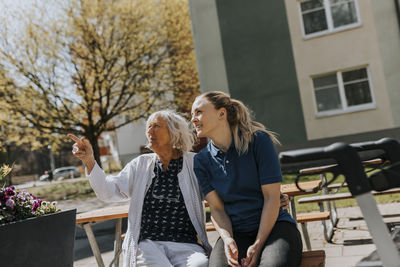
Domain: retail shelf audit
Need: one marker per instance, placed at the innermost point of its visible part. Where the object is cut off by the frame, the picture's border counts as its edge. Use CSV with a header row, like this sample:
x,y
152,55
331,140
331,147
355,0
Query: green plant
x,y
20,205
4,171
16,206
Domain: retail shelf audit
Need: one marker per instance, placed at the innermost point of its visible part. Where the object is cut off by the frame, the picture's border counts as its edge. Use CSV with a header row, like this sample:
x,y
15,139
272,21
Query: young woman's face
x,y
205,117
158,134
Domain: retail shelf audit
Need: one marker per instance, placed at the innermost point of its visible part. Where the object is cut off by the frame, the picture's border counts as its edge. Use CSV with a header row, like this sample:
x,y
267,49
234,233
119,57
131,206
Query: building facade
x,y
316,71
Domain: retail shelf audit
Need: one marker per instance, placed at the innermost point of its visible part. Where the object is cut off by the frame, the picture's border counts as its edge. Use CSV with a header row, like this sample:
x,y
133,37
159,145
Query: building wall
x,y
208,48
257,58
129,139
334,52
388,33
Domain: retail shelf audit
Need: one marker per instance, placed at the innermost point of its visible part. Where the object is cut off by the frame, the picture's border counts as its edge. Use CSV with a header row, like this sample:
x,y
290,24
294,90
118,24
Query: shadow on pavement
x,y
356,242
104,233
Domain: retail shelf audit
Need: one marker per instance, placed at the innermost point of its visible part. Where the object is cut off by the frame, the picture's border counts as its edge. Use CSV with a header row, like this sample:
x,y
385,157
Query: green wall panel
x,y
260,66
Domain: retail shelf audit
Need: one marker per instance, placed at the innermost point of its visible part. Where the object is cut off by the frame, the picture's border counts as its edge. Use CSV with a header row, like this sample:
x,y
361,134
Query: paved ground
x,y
351,241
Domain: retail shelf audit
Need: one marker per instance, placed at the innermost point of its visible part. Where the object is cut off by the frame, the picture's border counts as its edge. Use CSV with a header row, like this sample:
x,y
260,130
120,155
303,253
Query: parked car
x,y
61,173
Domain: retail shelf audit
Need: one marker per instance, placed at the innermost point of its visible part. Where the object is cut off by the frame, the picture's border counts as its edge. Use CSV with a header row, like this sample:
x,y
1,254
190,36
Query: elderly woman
x,y
166,216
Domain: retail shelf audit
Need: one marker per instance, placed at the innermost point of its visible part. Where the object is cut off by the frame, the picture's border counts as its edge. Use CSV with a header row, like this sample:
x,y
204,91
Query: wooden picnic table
x,y
291,190
87,219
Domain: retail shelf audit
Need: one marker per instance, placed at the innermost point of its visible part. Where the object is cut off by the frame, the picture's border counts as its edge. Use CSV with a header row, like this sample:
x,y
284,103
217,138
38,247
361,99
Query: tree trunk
x,y
96,149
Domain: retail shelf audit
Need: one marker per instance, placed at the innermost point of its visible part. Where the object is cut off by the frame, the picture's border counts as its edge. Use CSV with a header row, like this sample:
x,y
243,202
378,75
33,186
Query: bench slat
x,y
337,185
210,227
312,217
292,190
327,167
340,196
321,198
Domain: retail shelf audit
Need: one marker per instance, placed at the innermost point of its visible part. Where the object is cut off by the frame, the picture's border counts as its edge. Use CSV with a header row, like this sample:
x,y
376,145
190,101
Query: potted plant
x,y
34,232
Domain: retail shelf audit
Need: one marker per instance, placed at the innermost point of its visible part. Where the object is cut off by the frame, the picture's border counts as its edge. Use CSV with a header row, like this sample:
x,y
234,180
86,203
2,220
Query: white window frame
x,y
328,15
345,108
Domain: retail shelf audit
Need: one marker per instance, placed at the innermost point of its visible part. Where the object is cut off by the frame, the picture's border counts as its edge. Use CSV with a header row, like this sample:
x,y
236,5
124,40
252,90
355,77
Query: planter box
x,y
42,241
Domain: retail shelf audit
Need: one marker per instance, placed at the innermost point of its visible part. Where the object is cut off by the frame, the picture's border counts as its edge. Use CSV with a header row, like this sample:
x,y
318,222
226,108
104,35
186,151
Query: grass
x,y
60,191
289,178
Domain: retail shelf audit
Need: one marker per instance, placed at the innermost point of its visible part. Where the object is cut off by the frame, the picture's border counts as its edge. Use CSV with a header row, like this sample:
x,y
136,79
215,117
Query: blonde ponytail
x,y
242,126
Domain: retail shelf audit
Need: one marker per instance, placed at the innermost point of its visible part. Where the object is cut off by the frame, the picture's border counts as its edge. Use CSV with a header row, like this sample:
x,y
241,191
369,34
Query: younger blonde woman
x,y
239,174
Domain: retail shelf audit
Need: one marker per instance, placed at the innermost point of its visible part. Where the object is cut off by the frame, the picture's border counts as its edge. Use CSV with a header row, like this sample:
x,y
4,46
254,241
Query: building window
x,y
343,91
325,16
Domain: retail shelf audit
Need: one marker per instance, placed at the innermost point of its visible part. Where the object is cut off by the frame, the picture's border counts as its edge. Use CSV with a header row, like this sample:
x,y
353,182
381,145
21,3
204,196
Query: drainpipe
x,y
396,4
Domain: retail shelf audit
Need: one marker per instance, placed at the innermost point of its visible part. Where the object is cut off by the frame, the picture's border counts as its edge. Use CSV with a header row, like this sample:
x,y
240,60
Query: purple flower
x,y
19,205
10,203
23,195
10,191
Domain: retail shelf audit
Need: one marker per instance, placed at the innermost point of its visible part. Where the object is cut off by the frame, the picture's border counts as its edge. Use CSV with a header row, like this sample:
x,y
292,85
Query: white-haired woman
x,y
166,216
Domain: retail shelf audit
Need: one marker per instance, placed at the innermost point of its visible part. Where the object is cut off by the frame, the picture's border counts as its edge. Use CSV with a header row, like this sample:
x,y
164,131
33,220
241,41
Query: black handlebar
x,y
350,164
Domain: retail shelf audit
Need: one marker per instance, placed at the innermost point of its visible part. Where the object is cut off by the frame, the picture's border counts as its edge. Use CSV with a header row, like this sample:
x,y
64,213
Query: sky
x,y
13,12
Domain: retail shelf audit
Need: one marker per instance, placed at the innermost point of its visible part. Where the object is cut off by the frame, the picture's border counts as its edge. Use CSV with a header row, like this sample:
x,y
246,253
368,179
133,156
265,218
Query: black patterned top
x,y
164,215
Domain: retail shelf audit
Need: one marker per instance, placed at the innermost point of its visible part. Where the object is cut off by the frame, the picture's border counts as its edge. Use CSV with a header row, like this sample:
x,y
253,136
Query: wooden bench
x,y
292,191
304,218
329,202
329,229
314,258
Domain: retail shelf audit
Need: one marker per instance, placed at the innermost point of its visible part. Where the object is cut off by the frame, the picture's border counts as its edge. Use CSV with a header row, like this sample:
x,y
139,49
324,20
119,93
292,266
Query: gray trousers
x,y
170,254
282,248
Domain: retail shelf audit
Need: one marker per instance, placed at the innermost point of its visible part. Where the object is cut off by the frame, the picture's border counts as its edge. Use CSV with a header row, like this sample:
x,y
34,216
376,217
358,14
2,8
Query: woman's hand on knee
x,y
253,254
231,252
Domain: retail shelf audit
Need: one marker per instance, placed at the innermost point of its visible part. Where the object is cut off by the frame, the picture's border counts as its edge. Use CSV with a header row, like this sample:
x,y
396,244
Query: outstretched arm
x,y
109,188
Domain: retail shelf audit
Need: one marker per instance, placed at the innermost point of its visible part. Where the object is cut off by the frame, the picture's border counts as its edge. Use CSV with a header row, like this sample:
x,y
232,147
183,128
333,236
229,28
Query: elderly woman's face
x,y
157,134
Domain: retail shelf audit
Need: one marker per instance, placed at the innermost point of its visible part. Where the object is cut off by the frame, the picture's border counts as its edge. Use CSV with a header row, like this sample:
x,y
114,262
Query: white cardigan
x,y
133,182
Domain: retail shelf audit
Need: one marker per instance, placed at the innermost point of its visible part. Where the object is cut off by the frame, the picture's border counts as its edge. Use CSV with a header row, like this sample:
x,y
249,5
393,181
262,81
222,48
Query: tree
x,y
17,138
80,66
180,47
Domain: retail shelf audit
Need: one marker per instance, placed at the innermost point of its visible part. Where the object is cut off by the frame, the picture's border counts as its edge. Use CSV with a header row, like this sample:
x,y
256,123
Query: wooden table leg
x,y
93,244
306,236
117,245
292,207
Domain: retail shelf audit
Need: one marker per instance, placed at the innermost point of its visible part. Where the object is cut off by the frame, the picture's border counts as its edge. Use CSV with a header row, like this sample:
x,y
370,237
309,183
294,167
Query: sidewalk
x,y
351,241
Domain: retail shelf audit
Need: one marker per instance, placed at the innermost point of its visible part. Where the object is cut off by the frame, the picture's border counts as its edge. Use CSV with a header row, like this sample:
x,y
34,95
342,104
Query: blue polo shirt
x,y
238,179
